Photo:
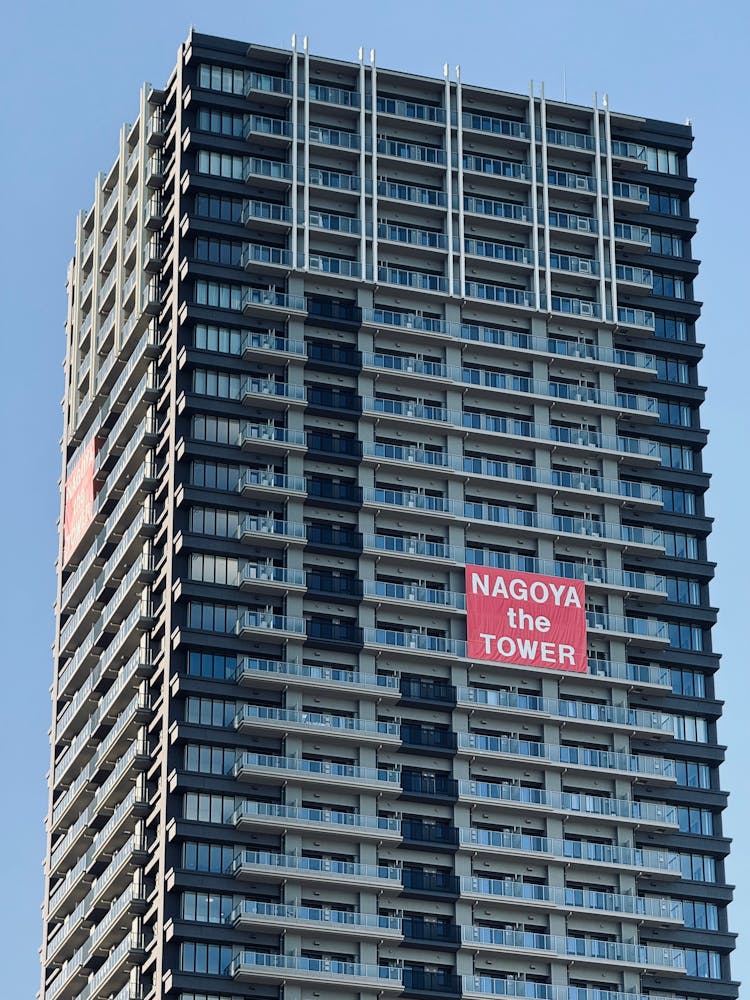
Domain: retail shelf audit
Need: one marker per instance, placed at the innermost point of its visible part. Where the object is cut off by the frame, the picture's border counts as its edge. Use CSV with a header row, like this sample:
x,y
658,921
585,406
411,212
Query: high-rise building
x,y
335,334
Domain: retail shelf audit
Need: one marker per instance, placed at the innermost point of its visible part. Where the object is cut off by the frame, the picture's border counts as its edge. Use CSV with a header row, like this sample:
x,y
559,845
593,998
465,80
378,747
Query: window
x,y
669,327
677,456
666,244
663,161
209,760
664,202
669,285
207,568
678,501
685,637
668,370
201,856
223,78
701,963
216,712
221,122
215,475
680,545
214,521
218,295
201,807
220,339
683,589
219,207
211,959
222,385
216,251
218,430
221,165
690,683
690,728
698,867
691,775
702,916
206,907
677,414
207,617
213,665
695,820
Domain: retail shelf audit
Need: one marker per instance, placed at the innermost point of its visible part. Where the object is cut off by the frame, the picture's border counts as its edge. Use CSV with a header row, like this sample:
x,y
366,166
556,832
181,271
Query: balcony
x,y
577,223
568,139
500,293
386,593
250,965
571,181
259,717
261,865
509,210
423,238
265,481
267,169
335,180
266,211
424,196
498,843
273,531
266,576
422,280
259,623
338,138
596,950
536,799
495,126
334,95
253,766
252,672
626,233
517,703
642,318
268,301
264,83
578,758
641,276
497,167
507,252
630,192
261,436
261,388
267,127
406,409
559,434
411,109
329,821
342,266
274,258
330,222
411,151
319,920
651,908
576,307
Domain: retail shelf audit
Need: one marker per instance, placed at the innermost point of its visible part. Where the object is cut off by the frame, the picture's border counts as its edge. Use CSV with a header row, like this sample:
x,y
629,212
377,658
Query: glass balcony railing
x,y
404,320
571,140
635,275
325,817
251,573
333,137
250,433
334,95
566,179
272,480
573,850
632,234
419,595
509,210
255,253
499,251
385,975
572,756
250,668
315,917
570,802
410,109
577,223
253,714
412,193
264,125
632,192
636,317
254,525
411,151
573,265
618,952
417,641
343,266
413,279
291,863
411,409
582,711
335,179
648,907
331,222
272,169
266,620
414,237
264,83
628,150
500,293
346,773
276,300
496,126
497,168
269,387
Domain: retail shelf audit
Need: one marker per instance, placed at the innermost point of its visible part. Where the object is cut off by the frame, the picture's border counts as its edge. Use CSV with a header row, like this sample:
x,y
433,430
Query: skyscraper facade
x,y
383,650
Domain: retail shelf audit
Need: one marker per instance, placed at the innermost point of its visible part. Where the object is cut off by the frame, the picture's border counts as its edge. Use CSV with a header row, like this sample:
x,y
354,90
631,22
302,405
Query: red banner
x,y
79,500
525,619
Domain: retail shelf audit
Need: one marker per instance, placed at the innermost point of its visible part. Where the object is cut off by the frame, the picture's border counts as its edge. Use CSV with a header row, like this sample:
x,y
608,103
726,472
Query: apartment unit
x,y
335,334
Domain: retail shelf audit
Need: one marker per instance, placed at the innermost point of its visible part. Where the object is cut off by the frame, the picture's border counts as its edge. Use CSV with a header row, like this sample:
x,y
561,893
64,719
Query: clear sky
x,y
71,73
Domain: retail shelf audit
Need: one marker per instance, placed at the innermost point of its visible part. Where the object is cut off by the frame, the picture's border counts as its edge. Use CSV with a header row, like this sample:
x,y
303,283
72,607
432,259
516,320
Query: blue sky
x,y
71,73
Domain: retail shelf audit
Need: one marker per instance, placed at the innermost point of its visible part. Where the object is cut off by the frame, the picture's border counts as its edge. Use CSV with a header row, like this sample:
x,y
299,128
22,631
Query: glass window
x,y
676,414
685,637
222,78
690,728
680,545
214,665
692,775
683,589
663,161
678,501
690,683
